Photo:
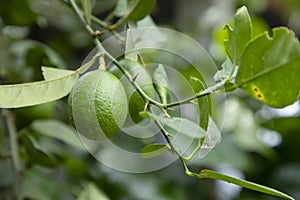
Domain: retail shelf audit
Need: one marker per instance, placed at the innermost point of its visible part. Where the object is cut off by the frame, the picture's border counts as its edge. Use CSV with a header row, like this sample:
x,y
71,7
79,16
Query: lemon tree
x,y
265,67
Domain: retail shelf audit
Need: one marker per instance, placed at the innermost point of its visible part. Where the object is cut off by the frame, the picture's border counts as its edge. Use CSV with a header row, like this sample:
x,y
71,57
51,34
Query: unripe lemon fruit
x,y
143,79
98,105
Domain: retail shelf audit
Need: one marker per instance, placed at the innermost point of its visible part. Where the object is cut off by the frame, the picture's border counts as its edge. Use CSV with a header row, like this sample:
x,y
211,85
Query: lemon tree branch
x,y
218,88
102,50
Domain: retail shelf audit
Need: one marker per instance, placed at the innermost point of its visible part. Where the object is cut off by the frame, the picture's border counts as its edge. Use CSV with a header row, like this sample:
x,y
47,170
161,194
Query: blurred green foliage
x,y
258,142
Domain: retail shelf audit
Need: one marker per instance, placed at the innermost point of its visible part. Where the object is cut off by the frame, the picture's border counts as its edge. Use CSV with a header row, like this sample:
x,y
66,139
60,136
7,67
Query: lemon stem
x,y
103,51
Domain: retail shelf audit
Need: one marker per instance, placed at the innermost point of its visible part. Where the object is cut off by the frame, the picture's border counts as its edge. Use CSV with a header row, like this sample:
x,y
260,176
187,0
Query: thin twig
x,y
14,148
101,49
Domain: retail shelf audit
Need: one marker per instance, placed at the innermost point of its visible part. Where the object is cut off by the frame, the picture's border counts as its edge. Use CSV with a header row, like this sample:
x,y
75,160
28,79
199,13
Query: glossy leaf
x,y
204,103
91,192
160,79
53,73
59,130
27,94
239,36
225,72
228,75
243,183
176,125
138,9
270,68
153,150
58,84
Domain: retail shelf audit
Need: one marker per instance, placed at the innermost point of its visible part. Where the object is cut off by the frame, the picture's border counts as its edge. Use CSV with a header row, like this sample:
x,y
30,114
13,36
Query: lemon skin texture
x,y
98,105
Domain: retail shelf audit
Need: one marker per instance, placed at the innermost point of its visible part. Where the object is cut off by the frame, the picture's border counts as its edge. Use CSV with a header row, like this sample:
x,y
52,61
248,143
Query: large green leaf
x,y
59,130
270,67
239,36
58,83
53,73
27,94
243,183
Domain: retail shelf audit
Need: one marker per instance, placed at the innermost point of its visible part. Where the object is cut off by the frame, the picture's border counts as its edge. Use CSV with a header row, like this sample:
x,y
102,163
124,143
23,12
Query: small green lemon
x,y
144,80
98,105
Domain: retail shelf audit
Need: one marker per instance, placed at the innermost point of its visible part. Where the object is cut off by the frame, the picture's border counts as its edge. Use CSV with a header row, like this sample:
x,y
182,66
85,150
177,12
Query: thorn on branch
x,y
135,77
98,33
146,106
169,108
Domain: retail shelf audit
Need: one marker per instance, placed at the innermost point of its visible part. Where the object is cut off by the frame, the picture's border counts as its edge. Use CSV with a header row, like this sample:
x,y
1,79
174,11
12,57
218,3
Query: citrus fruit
x,y
98,105
143,79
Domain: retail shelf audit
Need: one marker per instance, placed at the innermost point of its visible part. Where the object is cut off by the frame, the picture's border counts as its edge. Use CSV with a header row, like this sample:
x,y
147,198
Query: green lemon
x,y
143,79
98,104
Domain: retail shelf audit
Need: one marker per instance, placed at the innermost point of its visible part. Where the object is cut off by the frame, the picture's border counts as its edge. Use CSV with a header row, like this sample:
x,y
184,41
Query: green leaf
x,y
59,130
17,12
58,84
53,73
130,53
36,152
120,8
204,103
177,125
87,10
243,183
270,67
153,150
239,36
28,94
146,115
21,48
160,80
225,72
213,137
91,192
138,9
